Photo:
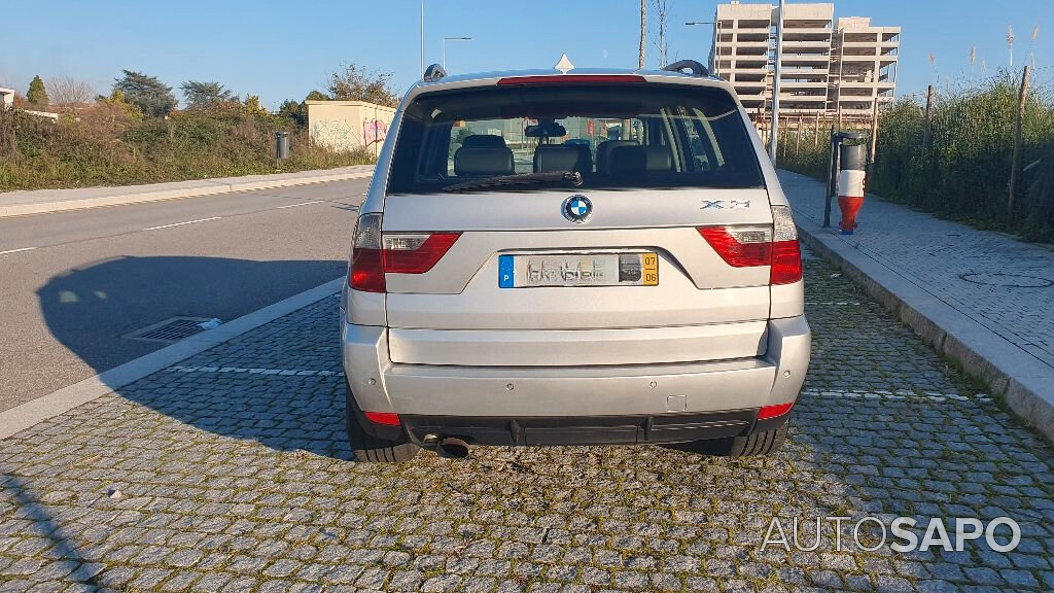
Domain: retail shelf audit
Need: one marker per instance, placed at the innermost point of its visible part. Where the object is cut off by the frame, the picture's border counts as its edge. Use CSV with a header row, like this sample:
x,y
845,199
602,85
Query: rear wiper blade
x,y
572,177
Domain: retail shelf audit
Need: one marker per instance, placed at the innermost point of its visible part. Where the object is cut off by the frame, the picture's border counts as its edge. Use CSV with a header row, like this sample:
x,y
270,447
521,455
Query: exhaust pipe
x,y
452,447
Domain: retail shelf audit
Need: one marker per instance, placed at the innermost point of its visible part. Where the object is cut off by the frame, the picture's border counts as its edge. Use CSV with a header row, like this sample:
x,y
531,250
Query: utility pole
x,y
643,29
774,132
422,38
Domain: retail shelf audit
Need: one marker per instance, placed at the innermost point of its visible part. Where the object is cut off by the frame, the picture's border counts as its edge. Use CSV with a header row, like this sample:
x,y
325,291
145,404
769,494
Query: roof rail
x,y
433,73
682,65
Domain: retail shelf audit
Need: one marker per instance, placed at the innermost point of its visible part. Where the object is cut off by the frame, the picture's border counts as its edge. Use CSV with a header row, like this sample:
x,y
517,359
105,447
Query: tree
x,y
643,33
356,83
204,94
117,100
294,111
37,95
66,90
149,94
252,105
662,11
297,112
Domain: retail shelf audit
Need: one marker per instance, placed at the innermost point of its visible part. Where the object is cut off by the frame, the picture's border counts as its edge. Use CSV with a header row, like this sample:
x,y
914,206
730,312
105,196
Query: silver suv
x,y
583,257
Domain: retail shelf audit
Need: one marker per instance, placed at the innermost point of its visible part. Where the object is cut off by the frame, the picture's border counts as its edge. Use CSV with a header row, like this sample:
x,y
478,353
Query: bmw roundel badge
x,y
577,208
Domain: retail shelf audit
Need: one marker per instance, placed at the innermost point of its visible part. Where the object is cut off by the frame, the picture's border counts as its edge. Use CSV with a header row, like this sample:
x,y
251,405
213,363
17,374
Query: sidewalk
x,y
979,297
18,203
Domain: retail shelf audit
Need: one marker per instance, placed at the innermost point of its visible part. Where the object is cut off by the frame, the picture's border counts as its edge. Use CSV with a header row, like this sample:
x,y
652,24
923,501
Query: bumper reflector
x,y
774,410
386,418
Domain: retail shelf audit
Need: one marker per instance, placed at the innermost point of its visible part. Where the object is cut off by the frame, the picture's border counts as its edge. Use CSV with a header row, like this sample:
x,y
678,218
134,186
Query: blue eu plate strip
x,y
505,271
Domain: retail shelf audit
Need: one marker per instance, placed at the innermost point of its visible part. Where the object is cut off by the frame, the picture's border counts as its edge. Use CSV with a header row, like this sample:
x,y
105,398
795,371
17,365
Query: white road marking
x,y
900,394
17,250
252,371
300,204
168,226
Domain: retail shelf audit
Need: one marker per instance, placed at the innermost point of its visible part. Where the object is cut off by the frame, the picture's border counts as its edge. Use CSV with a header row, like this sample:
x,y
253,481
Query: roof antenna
x,y
564,65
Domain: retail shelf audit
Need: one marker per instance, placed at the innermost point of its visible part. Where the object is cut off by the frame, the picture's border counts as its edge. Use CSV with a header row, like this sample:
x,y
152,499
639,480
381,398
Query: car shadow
x,y
92,309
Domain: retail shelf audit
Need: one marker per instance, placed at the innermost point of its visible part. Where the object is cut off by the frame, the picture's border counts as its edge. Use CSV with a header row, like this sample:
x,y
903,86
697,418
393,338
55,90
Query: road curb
x,y
1025,383
59,402
168,191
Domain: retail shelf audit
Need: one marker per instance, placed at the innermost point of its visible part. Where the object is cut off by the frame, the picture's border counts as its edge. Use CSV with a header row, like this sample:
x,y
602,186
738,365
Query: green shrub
x,y
108,144
962,171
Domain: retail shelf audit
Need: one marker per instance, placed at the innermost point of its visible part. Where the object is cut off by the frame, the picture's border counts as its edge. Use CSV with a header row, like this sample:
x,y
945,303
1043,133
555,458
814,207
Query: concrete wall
x,y
7,97
348,125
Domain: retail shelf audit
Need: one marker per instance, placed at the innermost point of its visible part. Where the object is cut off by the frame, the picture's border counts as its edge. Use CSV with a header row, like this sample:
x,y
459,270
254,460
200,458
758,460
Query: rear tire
x,y
371,449
757,443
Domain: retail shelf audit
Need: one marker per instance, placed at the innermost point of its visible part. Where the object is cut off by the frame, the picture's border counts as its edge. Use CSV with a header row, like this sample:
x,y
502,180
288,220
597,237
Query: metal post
x,y
777,66
838,95
832,170
797,138
874,133
717,48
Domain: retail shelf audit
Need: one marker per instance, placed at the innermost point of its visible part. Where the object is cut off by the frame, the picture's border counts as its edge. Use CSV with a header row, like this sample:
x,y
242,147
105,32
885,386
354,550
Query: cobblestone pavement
x,y
1001,283
230,473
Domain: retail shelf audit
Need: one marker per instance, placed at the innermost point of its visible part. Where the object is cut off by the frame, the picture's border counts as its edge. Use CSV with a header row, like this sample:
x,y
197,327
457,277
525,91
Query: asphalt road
x,y
73,283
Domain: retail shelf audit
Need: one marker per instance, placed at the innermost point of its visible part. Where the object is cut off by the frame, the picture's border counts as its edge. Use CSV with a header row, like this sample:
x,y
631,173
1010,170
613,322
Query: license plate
x,y
578,269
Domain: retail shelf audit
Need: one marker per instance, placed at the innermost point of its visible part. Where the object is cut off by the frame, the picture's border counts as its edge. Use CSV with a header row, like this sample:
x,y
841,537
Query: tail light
x,y
750,245
786,254
373,254
773,411
385,418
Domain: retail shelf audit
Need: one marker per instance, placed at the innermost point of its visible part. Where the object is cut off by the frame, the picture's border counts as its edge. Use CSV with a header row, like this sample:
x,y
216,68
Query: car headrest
x,y
562,157
604,154
476,161
483,141
629,160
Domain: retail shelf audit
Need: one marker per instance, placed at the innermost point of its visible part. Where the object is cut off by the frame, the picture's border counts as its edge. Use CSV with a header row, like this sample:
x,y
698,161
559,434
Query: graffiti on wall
x,y
336,134
374,131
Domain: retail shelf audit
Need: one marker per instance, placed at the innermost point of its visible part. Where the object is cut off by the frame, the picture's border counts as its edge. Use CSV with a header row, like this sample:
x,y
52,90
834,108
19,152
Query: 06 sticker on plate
x,y
578,269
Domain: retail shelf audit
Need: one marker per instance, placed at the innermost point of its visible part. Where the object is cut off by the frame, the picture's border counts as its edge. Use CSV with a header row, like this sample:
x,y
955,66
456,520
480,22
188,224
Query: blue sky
x,y
283,50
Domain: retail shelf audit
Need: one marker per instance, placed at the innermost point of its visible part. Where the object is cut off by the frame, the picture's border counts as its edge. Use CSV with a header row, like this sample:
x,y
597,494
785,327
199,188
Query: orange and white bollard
x,y
852,162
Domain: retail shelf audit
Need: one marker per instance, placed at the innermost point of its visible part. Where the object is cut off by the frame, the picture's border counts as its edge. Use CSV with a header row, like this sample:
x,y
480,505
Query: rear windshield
x,y
623,136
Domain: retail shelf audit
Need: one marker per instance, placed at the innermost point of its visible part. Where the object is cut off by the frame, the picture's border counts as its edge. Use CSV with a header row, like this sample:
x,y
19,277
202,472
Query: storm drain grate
x,y
173,329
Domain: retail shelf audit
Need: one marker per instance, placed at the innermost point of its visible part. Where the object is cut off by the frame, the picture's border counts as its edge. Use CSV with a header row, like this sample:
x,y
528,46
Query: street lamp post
x,y
445,39
776,70
422,38
714,64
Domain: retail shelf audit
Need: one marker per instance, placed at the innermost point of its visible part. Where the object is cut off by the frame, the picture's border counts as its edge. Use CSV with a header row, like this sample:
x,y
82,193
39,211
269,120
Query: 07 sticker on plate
x,y
578,269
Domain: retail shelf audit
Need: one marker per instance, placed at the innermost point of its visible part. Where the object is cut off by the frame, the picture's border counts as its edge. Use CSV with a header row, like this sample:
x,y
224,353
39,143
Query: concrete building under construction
x,y
829,66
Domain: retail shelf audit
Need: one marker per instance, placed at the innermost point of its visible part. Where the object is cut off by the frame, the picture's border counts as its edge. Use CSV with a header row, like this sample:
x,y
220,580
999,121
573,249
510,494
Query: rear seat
x,y
604,154
562,157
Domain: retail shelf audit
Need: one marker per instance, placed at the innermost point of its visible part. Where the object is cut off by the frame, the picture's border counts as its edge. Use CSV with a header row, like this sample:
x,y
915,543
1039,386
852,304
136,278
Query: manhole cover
x,y
1014,280
172,330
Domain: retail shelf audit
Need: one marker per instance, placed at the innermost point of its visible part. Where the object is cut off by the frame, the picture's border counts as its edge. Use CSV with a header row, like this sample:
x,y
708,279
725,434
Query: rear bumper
x,y
633,392
595,430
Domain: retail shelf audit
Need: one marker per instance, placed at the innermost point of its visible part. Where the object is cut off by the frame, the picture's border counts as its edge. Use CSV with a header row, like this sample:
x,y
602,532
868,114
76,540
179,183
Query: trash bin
x,y
281,145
